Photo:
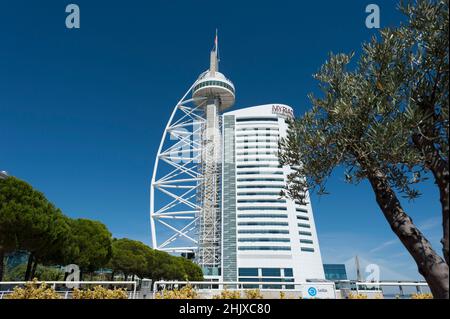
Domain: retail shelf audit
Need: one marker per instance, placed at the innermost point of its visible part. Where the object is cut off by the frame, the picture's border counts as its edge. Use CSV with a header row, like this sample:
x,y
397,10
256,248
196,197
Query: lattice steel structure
x,y
185,189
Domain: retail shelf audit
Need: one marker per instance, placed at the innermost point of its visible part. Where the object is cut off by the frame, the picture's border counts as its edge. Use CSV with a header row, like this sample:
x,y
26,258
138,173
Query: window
x,y
262,231
248,272
281,201
258,166
304,226
274,248
257,119
303,217
271,272
305,233
262,208
261,186
259,173
260,179
260,194
310,250
273,240
246,159
306,241
288,272
263,216
262,224
213,83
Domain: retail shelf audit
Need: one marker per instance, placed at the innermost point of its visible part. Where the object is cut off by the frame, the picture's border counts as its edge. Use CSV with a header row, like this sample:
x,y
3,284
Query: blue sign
x,y
312,291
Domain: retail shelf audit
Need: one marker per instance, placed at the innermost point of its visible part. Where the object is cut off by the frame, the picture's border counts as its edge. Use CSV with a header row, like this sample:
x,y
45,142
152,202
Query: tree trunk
x,y
445,225
33,269
431,266
112,275
2,267
29,264
440,170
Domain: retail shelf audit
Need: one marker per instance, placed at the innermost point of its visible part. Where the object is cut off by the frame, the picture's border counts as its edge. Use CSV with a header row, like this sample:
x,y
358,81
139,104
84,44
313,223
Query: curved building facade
x,y
265,237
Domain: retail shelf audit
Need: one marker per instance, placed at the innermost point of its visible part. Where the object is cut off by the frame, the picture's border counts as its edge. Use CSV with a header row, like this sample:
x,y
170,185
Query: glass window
x,y
288,272
275,240
248,272
262,216
305,233
260,208
265,248
262,224
262,231
271,272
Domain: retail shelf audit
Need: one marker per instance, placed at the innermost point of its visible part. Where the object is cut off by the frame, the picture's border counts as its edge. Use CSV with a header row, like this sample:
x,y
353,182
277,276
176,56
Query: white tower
x,y
185,194
219,94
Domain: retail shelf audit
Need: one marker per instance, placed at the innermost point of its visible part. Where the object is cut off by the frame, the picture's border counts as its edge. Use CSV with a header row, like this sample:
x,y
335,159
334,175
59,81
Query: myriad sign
x,y
283,111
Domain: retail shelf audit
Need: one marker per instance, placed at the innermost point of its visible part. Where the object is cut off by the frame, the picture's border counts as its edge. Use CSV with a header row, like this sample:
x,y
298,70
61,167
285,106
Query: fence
x,y
207,289
64,289
364,287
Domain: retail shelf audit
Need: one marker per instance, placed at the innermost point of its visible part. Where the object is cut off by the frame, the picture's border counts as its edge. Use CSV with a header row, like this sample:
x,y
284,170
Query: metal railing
x,y
211,286
363,286
67,292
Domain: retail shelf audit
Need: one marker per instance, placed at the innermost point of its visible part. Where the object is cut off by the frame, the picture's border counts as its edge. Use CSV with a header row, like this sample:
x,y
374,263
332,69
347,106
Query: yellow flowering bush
x,y
421,296
186,292
282,295
228,294
33,291
100,292
357,296
253,294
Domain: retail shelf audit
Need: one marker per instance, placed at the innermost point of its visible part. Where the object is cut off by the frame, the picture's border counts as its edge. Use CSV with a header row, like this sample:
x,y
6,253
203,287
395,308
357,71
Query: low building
x,y
335,272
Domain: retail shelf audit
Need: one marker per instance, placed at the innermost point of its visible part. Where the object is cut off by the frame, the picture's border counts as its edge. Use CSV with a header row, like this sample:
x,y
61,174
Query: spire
x,y
214,62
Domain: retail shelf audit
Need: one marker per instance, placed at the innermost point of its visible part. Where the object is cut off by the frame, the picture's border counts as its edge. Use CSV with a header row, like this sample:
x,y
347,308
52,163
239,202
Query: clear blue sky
x,y
82,111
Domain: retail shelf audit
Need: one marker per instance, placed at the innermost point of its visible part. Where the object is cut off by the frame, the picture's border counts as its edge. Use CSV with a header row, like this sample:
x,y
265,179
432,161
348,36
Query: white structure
x,y
215,190
188,190
3,174
265,237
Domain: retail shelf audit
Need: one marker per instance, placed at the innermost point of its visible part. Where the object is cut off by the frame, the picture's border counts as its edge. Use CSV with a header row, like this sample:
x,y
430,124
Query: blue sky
x,y
82,111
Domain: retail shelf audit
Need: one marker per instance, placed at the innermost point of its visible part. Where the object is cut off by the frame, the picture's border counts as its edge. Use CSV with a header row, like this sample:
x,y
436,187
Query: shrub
x,y
357,296
186,292
282,295
33,291
421,296
100,292
253,294
228,294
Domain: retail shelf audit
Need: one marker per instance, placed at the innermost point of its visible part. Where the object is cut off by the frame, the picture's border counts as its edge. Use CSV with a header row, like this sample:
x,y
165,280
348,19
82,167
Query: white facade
x,y
274,236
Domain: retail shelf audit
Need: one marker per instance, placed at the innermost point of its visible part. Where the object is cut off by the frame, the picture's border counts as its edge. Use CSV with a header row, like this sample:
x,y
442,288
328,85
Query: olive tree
x,y
385,119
